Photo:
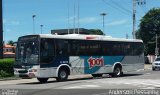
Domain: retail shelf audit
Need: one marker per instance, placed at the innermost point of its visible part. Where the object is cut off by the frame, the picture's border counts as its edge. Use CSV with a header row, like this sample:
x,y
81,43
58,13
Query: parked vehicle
x,y
156,64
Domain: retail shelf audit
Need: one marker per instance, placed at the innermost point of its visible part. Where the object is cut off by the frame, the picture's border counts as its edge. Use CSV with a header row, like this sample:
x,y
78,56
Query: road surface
x,y
85,84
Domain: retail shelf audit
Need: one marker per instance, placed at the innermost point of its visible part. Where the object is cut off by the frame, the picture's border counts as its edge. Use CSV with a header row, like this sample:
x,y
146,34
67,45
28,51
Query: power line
x,y
117,8
140,3
130,5
121,6
142,8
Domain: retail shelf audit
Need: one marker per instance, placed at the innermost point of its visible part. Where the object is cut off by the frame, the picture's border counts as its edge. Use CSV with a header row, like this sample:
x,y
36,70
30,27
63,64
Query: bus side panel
x,y
93,64
49,69
77,65
101,64
133,63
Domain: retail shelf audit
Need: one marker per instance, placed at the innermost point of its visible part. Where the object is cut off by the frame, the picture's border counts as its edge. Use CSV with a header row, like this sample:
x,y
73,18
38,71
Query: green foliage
x,y
10,43
4,74
96,32
149,27
6,67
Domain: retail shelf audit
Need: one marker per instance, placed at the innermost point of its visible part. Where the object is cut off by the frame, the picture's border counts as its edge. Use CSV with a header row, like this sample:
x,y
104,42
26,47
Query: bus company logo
x,y
93,62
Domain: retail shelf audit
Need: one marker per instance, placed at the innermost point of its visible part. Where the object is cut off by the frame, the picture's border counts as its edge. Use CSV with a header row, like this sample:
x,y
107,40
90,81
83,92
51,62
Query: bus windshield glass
x,y
27,50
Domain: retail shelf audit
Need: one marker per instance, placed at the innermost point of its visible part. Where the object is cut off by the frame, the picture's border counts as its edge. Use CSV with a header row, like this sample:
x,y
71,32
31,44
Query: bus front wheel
x,y
42,80
62,75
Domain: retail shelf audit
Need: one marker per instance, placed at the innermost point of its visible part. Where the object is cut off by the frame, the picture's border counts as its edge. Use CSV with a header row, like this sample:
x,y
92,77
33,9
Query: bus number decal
x,y
93,62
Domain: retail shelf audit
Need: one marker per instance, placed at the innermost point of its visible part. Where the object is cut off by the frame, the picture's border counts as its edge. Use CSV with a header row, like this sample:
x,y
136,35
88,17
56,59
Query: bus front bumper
x,y
24,74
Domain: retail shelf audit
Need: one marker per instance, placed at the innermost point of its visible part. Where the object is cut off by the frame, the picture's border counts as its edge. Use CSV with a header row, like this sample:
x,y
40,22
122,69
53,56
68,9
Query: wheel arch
x,y
117,64
63,66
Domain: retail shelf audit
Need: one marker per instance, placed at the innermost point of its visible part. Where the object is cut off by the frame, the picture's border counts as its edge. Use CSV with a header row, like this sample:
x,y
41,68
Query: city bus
x,y
45,56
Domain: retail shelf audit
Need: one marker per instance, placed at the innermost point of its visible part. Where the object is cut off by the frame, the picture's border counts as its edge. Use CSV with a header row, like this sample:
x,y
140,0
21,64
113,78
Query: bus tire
x,y
97,75
117,72
62,75
42,80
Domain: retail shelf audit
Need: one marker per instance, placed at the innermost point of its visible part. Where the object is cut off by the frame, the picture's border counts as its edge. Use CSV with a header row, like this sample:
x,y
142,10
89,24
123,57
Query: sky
x,y
60,14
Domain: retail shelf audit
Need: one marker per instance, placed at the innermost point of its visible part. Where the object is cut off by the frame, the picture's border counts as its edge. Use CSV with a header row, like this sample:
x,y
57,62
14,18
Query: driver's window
x,y
47,50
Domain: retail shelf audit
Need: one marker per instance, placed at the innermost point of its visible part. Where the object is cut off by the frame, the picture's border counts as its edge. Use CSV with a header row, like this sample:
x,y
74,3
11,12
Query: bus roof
x,y
88,37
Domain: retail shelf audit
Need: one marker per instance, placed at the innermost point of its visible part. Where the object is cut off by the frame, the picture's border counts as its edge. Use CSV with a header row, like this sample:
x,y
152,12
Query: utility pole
x,y
139,2
1,30
68,15
76,18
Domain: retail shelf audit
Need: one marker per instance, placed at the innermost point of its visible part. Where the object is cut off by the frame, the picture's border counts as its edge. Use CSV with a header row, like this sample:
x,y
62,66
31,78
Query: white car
x,y
156,64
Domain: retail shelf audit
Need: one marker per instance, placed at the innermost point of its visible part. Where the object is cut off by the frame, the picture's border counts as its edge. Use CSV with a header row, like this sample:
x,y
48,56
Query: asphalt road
x,y
84,85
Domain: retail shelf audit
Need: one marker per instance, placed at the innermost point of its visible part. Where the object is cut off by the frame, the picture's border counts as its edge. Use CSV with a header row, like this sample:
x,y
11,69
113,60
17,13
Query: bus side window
x,y
61,47
74,48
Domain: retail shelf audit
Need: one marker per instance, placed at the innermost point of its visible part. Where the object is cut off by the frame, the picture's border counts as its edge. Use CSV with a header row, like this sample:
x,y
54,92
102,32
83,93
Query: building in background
x,y
8,51
70,31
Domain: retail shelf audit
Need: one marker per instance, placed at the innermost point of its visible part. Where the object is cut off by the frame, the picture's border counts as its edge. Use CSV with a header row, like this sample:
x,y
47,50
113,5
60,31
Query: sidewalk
x,y
147,66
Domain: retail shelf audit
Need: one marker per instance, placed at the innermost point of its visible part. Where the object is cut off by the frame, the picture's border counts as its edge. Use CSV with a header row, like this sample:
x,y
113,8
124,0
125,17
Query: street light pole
x,y
41,29
134,18
156,49
1,31
33,16
78,16
74,31
103,14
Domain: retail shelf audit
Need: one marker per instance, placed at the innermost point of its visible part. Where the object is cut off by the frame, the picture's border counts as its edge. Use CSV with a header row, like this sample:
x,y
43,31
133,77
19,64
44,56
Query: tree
x,y
10,43
96,32
148,28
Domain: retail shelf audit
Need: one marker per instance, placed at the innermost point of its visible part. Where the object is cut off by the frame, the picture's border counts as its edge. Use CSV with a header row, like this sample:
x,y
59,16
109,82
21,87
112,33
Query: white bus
x,y
47,56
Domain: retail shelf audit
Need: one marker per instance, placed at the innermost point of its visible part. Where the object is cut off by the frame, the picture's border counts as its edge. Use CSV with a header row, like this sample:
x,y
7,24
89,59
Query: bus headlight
x,y
16,71
31,75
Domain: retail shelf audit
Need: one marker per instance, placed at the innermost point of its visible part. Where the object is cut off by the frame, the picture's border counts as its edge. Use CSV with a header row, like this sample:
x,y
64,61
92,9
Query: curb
x,y
9,78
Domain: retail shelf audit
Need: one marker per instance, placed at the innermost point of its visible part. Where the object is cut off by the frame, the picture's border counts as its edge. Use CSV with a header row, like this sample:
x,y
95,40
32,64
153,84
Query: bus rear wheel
x,y
97,75
117,72
62,75
42,80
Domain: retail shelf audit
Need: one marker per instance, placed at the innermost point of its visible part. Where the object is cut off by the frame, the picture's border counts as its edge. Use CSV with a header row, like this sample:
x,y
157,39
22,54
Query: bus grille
x,y
23,71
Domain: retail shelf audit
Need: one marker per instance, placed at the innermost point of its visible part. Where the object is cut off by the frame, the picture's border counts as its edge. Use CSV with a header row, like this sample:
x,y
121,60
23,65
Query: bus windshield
x,y
27,50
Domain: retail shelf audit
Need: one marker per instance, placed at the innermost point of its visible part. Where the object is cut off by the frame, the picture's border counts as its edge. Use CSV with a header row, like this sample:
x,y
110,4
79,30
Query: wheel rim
x,y
63,74
117,71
